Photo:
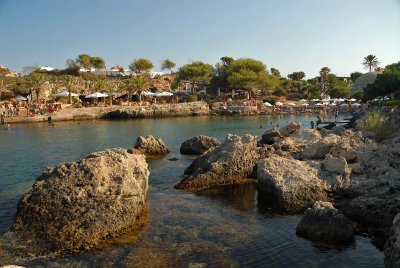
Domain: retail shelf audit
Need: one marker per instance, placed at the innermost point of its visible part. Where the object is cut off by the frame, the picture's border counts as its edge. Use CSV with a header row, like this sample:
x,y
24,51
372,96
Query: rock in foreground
x,y
78,205
230,163
199,145
151,146
392,247
289,184
324,223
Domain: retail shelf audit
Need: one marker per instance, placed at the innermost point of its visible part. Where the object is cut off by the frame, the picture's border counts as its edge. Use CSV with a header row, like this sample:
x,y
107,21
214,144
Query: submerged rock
x,y
229,163
392,247
151,146
199,145
289,184
79,205
323,222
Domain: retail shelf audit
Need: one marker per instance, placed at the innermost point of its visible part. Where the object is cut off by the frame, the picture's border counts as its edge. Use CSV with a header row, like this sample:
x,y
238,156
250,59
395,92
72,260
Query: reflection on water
x,y
219,227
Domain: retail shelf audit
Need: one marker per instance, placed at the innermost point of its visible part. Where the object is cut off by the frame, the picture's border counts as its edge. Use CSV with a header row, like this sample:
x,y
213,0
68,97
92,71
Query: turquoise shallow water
x,y
225,227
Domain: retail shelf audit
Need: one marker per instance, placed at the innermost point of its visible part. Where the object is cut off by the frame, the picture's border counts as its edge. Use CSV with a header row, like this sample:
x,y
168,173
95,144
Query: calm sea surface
x,y
223,227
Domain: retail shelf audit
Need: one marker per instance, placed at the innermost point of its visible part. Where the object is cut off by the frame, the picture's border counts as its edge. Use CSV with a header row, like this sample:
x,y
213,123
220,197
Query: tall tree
x,y
141,65
355,75
297,76
324,73
85,61
98,62
69,82
196,72
276,72
168,64
140,84
129,87
36,82
370,61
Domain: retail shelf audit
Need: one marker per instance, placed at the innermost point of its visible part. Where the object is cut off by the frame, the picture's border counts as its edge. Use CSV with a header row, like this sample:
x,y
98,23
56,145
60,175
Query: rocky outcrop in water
x,y
289,129
392,247
271,136
79,205
288,184
151,146
229,163
322,222
199,145
158,111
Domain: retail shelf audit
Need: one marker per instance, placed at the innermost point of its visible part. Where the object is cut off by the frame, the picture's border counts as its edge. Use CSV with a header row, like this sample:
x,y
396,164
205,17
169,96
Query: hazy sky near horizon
x,y
290,35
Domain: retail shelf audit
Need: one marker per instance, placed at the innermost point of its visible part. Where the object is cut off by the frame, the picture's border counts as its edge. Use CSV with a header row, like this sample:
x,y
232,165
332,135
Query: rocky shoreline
x,y
345,182
119,112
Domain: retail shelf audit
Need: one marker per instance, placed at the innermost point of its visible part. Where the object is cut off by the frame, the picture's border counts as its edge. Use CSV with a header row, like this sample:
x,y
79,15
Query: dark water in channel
x,y
221,227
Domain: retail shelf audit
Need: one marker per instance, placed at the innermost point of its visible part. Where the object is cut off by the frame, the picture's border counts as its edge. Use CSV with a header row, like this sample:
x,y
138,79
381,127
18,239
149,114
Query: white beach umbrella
x,y
355,104
340,99
303,100
65,94
343,105
267,104
332,104
304,104
163,94
278,103
291,104
21,98
96,95
315,100
148,93
352,99
318,104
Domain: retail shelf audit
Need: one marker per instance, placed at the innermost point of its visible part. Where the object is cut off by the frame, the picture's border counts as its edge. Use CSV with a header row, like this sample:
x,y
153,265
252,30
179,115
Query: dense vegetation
x,y
247,74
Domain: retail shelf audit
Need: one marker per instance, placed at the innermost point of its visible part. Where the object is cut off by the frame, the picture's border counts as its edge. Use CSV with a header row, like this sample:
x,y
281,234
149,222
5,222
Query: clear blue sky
x,y
291,35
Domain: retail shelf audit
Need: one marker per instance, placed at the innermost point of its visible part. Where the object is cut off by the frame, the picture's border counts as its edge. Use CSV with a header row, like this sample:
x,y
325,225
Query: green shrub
x,y
280,92
66,99
391,103
377,123
272,101
192,98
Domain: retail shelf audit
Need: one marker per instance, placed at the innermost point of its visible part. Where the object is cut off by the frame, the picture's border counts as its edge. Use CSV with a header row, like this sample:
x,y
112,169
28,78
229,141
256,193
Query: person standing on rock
x,y
312,124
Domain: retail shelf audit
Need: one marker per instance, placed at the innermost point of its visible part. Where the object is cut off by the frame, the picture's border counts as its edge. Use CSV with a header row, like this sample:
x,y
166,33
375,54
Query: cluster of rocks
x,y
297,169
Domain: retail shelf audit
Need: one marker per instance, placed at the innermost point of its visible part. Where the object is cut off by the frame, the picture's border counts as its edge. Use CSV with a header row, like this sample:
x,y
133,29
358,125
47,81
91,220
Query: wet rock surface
x,y
230,163
290,184
392,247
151,146
199,145
324,223
80,205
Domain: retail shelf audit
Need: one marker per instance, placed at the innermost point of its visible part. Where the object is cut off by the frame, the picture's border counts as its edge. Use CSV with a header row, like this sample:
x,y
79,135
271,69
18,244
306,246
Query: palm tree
x,y
324,73
168,64
370,61
36,82
128,86
140,84
69,82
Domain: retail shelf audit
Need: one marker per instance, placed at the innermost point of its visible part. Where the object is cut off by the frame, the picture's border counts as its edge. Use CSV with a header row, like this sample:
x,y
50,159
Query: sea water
x,y
220,227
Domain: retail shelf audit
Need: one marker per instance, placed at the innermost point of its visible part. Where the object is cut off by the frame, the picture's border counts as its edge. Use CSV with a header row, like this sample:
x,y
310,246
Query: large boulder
x,y
290,185
336,172
151,146
289,129
322,222
199,145
392,247
320,148
271,136
78,205
230,163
